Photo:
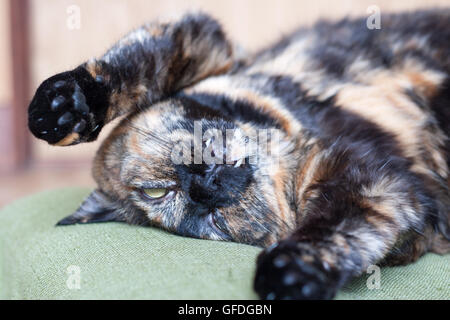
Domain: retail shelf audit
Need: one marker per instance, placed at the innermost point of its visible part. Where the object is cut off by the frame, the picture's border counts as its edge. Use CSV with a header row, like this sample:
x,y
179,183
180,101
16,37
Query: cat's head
x,y
185,168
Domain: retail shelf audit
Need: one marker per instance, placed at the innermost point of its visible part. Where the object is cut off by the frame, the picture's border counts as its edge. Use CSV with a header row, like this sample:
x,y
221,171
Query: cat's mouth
x,y
216,226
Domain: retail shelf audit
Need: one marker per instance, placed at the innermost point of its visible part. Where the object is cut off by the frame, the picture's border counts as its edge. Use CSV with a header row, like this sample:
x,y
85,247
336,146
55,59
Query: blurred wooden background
x,y
36,42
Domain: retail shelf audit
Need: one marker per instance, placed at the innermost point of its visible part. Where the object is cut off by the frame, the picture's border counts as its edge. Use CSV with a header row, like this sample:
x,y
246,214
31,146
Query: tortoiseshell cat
x,y
362,172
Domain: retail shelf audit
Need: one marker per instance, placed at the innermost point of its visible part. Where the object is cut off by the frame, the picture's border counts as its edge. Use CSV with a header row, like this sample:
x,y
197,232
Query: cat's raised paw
x,y
60,112
283,274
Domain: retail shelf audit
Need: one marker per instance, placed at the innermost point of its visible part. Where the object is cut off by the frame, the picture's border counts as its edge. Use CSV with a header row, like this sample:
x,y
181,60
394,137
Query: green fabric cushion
x,y
118,261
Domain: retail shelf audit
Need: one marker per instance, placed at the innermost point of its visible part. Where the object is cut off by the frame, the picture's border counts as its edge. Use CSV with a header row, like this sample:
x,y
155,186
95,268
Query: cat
x,y
359,173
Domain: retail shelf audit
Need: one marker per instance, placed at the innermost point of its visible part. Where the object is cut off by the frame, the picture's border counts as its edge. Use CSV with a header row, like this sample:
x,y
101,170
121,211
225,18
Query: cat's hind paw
x,y
61,113
283,274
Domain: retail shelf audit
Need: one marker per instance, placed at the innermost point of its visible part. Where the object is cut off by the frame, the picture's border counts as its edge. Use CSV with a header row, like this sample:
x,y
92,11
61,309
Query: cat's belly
x,y
396,102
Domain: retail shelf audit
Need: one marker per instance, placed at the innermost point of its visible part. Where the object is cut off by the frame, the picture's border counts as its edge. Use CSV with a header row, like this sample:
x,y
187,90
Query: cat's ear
x,y
97,207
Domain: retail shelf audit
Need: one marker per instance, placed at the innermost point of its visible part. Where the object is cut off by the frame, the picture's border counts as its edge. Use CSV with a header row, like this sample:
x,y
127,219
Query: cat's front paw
x,y
68,108
285,271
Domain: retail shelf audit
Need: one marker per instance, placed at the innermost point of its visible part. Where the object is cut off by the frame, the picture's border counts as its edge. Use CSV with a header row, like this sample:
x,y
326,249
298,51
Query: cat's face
x,y
152,162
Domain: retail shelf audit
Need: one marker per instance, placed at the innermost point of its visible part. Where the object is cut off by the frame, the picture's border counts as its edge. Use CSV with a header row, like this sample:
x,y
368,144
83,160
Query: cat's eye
x,y
155,193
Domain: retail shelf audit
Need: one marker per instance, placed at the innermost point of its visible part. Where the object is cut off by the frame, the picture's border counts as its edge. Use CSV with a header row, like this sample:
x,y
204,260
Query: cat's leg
x,y
343,230
147,65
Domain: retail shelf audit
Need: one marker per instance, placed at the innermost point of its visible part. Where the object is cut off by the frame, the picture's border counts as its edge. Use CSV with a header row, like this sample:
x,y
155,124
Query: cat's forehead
x,y
163,125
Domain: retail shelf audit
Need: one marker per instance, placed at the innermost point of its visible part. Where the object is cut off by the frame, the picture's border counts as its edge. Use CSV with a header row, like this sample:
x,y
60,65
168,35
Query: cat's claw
x,y
59,112
283,274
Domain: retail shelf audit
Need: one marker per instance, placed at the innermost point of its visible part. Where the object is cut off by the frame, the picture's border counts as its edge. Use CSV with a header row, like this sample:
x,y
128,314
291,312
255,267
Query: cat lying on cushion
x,y
355,127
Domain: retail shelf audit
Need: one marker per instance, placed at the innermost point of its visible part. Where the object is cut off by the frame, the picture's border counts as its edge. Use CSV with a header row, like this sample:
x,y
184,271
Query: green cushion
x,y
118,261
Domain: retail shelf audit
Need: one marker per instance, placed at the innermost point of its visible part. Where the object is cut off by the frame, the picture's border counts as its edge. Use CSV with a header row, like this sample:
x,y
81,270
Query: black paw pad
x,y
59,84
66,118
61,107
80,126
283,273
57,103
79,102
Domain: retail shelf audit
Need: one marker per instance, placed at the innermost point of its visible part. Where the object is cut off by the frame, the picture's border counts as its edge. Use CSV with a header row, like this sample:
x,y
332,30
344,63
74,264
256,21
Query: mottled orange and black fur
x,y
364,117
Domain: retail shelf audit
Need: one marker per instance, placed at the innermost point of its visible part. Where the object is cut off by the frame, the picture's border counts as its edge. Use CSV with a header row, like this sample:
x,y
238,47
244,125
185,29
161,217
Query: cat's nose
x,y
207,188
210,178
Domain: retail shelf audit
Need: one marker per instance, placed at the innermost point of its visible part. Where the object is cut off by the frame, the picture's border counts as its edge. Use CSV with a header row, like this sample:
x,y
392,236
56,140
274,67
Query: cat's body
x,y
363,118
